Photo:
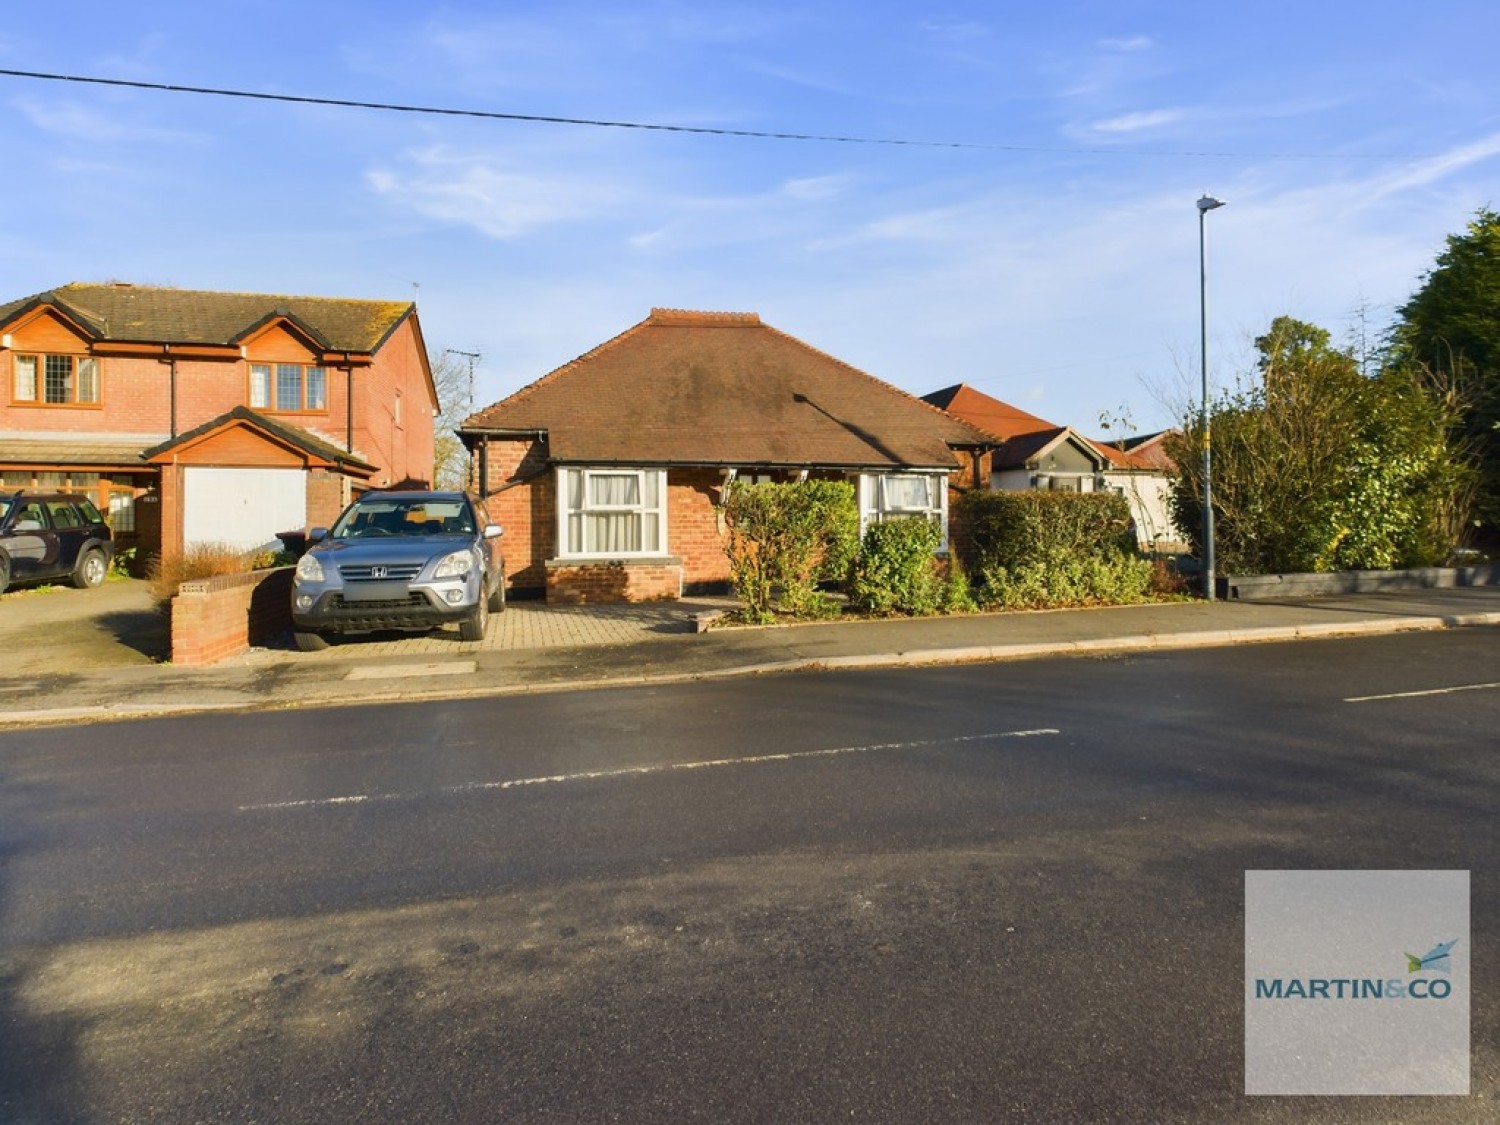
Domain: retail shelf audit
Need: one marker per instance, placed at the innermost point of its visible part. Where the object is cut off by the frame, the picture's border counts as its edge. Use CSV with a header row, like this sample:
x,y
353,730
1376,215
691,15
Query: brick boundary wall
x,y
1252,586
214,618
602,583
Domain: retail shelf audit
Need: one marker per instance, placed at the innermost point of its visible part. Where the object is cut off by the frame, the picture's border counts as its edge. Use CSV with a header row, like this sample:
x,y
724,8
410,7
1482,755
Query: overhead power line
x,y
707,130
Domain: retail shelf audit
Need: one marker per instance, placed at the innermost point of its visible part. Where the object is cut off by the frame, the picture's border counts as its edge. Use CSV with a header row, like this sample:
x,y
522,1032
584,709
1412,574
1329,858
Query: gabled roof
x,y
1026,437
1023,437
121,313
1147,452
705,388
1000,419
294,437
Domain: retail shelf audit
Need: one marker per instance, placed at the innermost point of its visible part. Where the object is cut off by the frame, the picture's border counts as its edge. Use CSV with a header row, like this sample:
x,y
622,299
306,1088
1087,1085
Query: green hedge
x,y
896,570
1032,549
783,540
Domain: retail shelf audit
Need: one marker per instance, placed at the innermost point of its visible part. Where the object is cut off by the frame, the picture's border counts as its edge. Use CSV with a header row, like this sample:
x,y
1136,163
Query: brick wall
x,y
214,618
327,496
523,500
602,583
694,533
401,446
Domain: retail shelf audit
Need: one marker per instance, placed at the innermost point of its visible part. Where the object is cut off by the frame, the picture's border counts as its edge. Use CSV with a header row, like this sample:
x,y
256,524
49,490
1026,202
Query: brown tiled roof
x,y
1024,435
1000,419
150,314
723,389
1147,452
294,436
71,449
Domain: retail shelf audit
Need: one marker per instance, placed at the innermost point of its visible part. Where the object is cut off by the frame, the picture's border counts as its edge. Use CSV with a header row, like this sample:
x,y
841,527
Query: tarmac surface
x,y
87,655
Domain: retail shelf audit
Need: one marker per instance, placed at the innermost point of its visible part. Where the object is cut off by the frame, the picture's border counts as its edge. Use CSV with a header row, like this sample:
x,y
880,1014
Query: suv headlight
x,y
456,565
309,569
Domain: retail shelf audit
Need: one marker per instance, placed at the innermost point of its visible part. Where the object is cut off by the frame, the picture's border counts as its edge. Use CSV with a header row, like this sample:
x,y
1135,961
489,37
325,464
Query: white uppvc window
x,y
902,496
612,512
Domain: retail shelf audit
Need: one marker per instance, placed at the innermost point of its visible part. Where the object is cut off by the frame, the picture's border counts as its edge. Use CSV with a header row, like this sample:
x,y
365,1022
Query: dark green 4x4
x,y
49,535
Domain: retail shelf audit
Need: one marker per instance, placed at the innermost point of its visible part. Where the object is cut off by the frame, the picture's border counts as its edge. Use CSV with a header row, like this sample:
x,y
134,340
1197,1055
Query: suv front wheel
x,y
308,641
472,628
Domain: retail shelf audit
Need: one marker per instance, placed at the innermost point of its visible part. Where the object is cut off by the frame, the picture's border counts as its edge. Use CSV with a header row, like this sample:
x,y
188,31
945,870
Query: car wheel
x,y
90,571
4,573
472,628
308,641
497,596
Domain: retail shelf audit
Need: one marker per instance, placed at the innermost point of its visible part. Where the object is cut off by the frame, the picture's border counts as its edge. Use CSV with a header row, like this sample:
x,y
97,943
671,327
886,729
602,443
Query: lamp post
x,y
1205,205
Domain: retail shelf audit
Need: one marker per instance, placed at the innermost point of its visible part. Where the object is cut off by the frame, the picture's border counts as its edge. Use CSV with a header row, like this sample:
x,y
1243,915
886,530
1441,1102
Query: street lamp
x,y
1205,205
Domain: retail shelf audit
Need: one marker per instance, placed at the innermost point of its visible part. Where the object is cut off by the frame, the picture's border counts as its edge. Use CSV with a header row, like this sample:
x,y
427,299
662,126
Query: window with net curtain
x,y
896,496
613,511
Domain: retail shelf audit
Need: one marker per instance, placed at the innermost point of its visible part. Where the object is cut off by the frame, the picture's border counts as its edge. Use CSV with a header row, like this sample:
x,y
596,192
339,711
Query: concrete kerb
x,y
347,696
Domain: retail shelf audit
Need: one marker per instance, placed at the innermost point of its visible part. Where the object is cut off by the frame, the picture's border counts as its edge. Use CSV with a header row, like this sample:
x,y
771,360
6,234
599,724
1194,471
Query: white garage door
x,y
244,508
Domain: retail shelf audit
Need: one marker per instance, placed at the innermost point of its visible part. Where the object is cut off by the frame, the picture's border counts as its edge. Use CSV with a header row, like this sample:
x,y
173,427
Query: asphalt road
x,y
989,893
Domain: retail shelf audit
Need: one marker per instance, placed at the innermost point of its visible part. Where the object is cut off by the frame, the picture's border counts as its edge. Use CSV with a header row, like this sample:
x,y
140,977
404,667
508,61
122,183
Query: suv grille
x,y
393,572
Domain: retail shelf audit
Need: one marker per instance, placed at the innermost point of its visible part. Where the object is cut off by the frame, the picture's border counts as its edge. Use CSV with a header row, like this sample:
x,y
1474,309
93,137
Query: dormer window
x,y
55,380
289,387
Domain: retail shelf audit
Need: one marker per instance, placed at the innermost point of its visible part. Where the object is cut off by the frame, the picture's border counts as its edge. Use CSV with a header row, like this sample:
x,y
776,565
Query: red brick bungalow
x,y
607,472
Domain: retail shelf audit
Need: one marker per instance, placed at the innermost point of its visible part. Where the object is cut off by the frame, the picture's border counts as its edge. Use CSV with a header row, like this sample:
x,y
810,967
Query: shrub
x,y
122,562
786,539
896,571
958,592
1035,549
1056,579
200,560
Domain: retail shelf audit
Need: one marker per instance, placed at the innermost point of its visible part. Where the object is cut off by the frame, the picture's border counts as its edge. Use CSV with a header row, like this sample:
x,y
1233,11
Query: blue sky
x,y
1055,267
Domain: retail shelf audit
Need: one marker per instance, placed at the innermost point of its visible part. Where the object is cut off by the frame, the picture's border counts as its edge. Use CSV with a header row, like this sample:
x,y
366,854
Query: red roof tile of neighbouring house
x,y
1023,436
1148,451
1000,419
714,388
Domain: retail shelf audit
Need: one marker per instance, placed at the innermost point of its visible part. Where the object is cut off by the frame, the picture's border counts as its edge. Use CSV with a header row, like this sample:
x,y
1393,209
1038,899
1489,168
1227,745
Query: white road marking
x,y
1417,694
640,771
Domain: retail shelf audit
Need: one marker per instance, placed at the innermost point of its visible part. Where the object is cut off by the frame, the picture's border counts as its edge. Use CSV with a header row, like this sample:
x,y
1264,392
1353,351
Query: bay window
x,y
612,512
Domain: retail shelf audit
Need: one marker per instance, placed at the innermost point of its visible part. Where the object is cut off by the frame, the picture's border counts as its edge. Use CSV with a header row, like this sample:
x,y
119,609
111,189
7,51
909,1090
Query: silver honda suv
x,y
400,560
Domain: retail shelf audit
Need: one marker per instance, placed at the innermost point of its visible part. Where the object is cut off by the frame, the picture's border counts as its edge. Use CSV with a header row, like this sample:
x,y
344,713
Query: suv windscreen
x,y
404,517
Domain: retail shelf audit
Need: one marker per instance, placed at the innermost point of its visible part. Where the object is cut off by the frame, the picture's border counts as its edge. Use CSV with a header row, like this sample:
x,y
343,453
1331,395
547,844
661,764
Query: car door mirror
x,y
493,531
27,525
317,533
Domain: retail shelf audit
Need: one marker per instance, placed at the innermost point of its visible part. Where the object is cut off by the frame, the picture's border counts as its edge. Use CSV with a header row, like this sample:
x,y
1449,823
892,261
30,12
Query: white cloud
x,y
1430,171
1137,122
488,196
815,189
1128,43
72,121
956,31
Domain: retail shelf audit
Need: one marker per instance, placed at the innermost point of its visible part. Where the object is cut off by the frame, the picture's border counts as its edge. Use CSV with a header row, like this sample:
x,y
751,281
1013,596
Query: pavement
x,y
90,655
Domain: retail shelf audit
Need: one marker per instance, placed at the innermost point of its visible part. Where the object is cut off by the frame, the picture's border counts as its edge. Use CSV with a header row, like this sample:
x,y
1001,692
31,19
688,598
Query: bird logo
x,y
1435,958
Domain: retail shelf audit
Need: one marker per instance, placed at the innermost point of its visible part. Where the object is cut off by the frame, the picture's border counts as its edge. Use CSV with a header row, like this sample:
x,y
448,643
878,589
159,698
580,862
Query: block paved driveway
x,y
60,630
524,625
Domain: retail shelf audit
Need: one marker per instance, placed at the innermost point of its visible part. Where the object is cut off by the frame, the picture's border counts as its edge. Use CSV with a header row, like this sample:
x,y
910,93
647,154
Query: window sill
x,y
612,560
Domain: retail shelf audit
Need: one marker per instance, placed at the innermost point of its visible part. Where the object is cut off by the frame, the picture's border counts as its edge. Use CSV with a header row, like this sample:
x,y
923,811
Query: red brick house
x,y
607,472
195,416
